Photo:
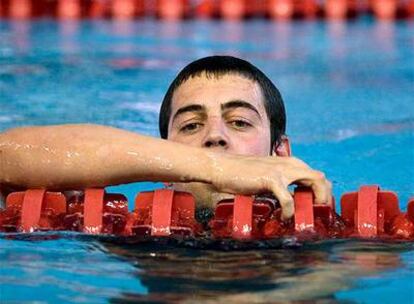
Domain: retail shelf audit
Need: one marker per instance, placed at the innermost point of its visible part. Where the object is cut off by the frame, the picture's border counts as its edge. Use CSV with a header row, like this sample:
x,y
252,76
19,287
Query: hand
x,y
251,175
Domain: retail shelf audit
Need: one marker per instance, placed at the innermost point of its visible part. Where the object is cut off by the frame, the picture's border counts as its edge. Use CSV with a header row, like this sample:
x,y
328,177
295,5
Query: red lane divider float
x,y
368,213
172,9
205,9
226,9
371,212
97,9
20,9
69,9
385,9
163,213
281,9
97,212
124,9
232,9
33,210
410,8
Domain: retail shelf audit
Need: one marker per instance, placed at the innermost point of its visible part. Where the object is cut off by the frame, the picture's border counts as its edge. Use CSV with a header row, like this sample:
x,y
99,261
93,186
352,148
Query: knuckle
x,y
286,203
329,184
320,175
296,161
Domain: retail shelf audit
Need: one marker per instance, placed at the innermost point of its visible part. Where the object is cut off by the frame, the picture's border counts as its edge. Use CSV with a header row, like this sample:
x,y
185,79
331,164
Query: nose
x,y
216,136
215,142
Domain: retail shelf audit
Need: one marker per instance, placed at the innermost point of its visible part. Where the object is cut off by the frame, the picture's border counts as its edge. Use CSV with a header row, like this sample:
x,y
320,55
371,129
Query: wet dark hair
x,y
217,66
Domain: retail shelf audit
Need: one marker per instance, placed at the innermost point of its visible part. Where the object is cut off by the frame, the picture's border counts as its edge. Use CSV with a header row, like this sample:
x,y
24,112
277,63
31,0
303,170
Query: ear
x,y
283,149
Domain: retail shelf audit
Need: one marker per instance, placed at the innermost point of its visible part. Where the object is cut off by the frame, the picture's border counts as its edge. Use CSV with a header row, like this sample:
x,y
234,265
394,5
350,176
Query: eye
x,y
191,127
240,124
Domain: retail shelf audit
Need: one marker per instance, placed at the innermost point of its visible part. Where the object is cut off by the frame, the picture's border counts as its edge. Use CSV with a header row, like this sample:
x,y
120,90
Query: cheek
x,y
193,140
252,145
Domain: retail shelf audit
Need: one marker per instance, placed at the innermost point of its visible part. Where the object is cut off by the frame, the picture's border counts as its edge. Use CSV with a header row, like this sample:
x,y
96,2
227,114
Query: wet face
x,y
224,114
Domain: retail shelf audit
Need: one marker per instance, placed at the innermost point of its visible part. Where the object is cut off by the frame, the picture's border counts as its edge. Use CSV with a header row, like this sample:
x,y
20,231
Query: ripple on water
x,y
140,269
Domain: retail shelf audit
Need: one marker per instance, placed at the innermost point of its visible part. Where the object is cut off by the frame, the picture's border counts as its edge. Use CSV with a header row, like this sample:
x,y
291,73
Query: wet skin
x,y
225,114
219,143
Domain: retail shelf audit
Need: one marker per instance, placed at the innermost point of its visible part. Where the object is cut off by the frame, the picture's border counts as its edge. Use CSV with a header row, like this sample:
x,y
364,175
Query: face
x,y
225,114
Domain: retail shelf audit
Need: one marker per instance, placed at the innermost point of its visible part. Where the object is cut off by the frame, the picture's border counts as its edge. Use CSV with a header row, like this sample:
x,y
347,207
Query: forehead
x,y
212,91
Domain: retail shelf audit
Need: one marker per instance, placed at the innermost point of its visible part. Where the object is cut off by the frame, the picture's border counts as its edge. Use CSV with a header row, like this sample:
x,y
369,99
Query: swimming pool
x,y
348,88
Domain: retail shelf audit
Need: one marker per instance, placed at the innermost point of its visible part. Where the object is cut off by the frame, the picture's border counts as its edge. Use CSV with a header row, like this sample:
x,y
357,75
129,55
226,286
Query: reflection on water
x,y
78,267
309,272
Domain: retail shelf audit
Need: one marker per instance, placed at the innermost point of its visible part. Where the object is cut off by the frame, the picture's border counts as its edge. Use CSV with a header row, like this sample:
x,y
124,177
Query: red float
x,y
206,9
339,9
307,8
93,210
172,9
20,9
410,8
402,227
233,9
304,218
163,213
227,9
127,9
368,213
245,218
281,9
256,8
33,210
410,209
97,212
98,9
69,9
384,9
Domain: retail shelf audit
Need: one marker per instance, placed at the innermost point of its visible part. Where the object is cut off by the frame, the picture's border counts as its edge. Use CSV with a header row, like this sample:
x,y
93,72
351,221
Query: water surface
x,y
348,89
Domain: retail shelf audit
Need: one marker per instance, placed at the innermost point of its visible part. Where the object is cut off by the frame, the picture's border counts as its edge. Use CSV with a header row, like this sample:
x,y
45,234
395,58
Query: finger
x,y
320,190
289,162
285,199
317,181
299,163
330,196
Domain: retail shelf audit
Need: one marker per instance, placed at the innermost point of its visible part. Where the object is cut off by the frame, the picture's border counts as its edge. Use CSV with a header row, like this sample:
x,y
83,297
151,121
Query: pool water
x,y
348,89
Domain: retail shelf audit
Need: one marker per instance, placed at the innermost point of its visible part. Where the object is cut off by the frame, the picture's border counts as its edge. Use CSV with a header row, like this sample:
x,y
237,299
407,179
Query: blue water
x,y
348,89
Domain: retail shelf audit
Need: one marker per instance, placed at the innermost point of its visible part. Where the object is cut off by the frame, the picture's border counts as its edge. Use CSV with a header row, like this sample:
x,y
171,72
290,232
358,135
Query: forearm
x,y
79,156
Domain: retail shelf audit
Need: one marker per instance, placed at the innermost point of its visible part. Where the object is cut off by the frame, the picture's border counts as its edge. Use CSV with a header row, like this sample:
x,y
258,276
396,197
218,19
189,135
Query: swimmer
x,y
222,123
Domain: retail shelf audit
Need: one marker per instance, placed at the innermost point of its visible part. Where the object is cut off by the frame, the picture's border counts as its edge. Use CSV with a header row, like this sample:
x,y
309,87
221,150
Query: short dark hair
x,y
218,66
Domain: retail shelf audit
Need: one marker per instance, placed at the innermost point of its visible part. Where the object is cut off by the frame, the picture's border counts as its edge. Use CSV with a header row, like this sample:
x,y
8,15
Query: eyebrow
x,y
189,108
233,104
239,104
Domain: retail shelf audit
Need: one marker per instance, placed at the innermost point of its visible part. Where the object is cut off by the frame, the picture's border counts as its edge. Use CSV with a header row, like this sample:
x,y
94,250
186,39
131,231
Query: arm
x,y
80,156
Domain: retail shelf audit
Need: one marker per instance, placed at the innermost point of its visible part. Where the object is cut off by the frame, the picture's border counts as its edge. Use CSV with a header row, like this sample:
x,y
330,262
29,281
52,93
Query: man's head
x,y
226,103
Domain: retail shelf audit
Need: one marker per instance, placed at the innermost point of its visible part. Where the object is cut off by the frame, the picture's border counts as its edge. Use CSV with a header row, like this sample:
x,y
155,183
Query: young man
x,y
222,122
